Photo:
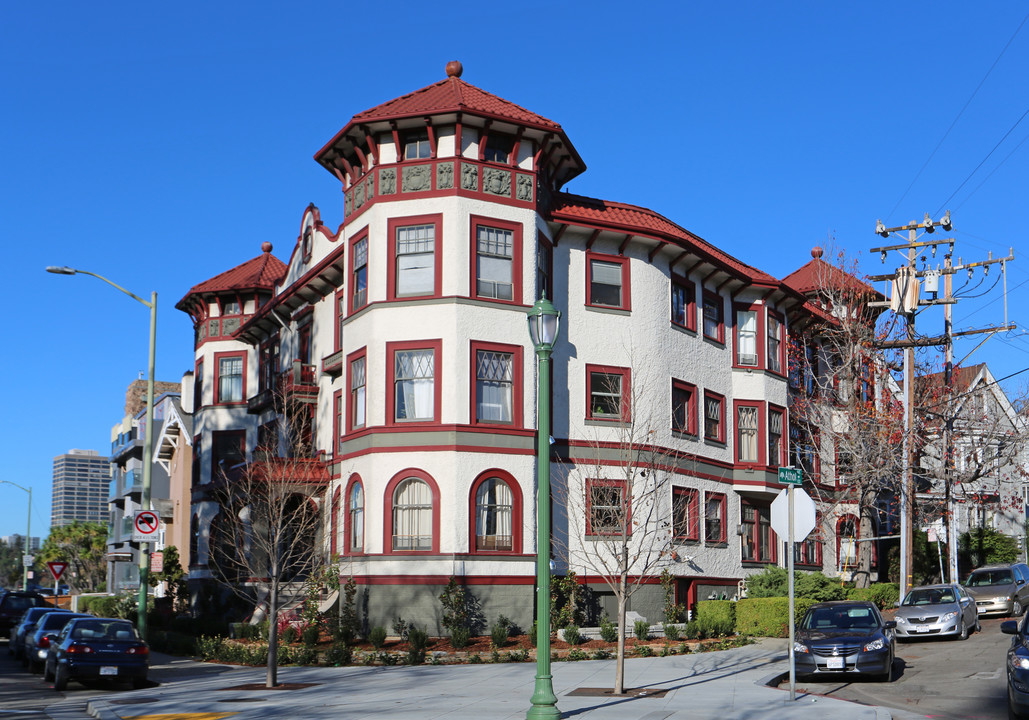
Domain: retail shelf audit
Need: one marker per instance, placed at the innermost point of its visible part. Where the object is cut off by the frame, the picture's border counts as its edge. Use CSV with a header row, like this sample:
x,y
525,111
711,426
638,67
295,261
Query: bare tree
x,y
614,496
264,540
844,408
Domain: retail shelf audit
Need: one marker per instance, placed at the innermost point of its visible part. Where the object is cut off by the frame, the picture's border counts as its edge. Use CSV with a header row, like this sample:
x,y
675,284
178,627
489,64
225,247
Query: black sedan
x,y
94,648
848,636
16,643
38,638
1017,666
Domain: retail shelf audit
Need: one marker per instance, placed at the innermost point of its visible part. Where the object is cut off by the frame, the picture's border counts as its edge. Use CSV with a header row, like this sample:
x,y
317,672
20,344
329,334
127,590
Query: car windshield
x,y
930,596
845,618
983,578
104,630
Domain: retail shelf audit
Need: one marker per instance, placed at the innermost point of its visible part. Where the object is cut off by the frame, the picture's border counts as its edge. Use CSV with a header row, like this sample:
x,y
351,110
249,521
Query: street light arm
x,y
65,270
8,482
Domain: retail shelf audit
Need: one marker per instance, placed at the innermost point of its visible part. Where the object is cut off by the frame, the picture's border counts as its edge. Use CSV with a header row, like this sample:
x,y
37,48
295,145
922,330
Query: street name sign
x,y
790,476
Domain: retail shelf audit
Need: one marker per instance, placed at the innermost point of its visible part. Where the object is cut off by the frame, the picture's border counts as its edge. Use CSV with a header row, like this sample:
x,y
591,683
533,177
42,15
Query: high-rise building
x,y
81,482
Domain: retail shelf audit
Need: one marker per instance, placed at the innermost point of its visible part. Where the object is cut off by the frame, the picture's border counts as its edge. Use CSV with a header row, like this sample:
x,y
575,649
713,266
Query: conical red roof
x,y
259,273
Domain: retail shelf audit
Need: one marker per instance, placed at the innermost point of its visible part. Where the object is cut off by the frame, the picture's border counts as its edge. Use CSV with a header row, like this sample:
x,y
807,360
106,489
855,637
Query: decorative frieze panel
x,y
212,327
445,176
230,325
358,196
496,182
348,203
387,181
416,178
469,177
523,188
369,188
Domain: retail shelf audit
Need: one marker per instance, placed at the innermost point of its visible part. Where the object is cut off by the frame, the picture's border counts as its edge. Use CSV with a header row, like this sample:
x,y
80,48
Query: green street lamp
x,y
27,547
544,323
144,500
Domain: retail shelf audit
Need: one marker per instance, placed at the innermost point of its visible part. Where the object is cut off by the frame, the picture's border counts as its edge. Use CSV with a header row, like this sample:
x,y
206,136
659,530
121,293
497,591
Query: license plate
x,y
834,663
922,628
108,670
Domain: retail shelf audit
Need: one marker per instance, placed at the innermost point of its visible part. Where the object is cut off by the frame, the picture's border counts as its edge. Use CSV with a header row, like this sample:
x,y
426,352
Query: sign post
x,y
787,522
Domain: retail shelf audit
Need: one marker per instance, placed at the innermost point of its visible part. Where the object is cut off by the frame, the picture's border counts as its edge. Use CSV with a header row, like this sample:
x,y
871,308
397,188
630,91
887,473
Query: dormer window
x,y
416,145
498,149
230,307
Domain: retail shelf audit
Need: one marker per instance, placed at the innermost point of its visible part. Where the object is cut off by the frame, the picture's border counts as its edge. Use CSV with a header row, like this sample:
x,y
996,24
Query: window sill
x,y
610,310
718,544
757,563
686,541
601,537
686,329
714,441
684,435
598,422
715,341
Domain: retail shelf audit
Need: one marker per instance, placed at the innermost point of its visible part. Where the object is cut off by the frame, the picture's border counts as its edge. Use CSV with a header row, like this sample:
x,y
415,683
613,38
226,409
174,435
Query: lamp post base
x,y
544,701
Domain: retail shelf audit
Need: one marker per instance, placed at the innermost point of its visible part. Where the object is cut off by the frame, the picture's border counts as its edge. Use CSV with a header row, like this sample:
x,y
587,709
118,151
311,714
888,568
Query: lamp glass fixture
x,y
544,324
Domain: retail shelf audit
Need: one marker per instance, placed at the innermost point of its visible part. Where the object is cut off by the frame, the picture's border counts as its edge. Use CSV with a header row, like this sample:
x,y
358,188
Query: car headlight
x,y
1019,662
1002,599
877,644
948,617
901,620
800,648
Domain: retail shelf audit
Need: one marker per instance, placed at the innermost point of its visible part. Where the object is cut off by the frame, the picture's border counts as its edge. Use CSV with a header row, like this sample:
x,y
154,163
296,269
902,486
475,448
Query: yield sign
x,y
57,569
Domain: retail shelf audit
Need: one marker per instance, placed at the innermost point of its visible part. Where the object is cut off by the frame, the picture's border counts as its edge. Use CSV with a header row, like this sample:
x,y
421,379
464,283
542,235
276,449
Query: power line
x,y
996,167
960,113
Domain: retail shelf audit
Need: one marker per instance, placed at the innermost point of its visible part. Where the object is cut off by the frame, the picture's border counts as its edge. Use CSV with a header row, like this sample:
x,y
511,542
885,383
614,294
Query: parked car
x,y
14,604
92,648
935,610
38,638
1000,589
1017,667
16,636
845,636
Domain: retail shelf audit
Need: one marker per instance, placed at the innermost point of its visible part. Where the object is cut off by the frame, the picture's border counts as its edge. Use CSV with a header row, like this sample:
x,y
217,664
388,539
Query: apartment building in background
x,y
80,484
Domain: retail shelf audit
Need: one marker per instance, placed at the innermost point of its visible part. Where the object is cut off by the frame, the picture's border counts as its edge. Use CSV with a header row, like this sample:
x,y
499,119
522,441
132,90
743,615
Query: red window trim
x,y
516,512
351,309
816,536
334,522
543,244
773,538
516,257
717,299
723,503
395,224
516,384
691,301
606,482
437,381
337,411
626,373
387,525
355,479
626,285
198,385
356,355
306,244
784,454
692,533
762,429
218,357
723,419
339,313
760,339
691,410
783,370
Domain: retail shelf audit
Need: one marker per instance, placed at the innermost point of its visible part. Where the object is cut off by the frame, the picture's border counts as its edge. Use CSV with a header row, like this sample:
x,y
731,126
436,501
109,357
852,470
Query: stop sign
x,y
803,514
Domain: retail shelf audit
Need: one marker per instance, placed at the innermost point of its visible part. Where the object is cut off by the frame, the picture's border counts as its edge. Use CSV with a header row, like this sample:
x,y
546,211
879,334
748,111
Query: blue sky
x,y
161,144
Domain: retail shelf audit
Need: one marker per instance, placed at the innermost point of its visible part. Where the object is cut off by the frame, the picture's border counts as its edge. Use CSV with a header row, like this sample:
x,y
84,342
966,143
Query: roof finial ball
x,y
454,69
816,252
266,246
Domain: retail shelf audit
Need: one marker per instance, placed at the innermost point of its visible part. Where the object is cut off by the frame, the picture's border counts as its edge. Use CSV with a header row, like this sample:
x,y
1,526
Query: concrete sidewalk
x,y
730,684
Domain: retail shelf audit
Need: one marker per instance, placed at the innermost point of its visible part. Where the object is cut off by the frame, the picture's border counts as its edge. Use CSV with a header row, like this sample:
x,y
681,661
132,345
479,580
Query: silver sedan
x,y
934,610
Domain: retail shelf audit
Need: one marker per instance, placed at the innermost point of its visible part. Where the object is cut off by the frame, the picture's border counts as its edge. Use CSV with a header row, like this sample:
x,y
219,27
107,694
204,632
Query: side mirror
x,y
1009,627
896,604
890,624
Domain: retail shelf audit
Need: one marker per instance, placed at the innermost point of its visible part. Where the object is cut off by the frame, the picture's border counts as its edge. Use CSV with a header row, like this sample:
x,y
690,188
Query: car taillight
x,y
44,642
138,650
79,649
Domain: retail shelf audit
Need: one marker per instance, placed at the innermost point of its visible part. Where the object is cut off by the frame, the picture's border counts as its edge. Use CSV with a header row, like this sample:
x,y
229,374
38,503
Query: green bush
x,y
208,647
339,654
775,582
289,635
601,655
532,634
716,613
768,617
711,627
692,630
106,606
671,632
642,630
309,636
572,635
608,630
577,654
884,595
417,641
377,637
644,651
460,637
305,656
498,634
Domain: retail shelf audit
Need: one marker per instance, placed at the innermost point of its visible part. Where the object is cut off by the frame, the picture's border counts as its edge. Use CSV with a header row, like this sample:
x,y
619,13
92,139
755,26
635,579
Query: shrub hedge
x,y
768,617
716,612
882,594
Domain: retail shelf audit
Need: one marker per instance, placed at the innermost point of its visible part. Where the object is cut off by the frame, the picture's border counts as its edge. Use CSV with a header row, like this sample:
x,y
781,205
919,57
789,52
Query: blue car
x,y
847,636
38,638
1017,667
95,648
16,641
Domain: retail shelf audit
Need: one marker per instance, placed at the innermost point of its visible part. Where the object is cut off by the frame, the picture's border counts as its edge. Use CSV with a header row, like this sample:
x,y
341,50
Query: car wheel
x,y
60,678
962,630
1016,608
888,675
978,626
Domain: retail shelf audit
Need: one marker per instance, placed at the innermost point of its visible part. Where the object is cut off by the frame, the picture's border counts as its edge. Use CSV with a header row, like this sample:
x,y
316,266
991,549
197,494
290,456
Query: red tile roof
x,y
259,273
576,209
961,379
810,277
453,95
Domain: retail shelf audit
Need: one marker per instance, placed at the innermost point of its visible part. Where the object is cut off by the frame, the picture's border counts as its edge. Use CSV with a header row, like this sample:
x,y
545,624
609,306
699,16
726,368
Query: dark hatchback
x,y
94,648
27,623
848,636
14,604
1017,666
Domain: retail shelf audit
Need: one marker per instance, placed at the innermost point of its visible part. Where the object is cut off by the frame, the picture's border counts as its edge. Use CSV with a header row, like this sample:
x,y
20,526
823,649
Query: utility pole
x,y
905,300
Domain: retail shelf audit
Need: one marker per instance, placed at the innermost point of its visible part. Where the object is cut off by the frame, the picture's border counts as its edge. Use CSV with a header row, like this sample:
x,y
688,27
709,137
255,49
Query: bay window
x,y
746,338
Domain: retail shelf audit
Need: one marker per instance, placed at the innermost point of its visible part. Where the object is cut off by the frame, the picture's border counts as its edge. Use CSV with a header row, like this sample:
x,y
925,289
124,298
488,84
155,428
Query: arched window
x,y
846,543
355,517
412,515
493,516
334,522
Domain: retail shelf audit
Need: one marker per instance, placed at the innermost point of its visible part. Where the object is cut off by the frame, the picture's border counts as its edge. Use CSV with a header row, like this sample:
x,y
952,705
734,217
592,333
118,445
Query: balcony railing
x,y
126,528
299,381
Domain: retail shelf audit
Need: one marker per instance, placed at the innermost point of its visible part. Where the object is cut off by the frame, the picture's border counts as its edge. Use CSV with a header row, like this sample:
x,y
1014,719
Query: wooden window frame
x,y
626,286
394,225
625,391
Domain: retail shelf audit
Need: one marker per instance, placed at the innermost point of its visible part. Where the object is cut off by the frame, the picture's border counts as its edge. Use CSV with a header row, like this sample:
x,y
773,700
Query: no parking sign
x,y
145,526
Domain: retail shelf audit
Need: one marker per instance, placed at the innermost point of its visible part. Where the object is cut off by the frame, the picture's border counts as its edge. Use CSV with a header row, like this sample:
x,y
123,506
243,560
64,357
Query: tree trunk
x,y
863,576
272,679
620,655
